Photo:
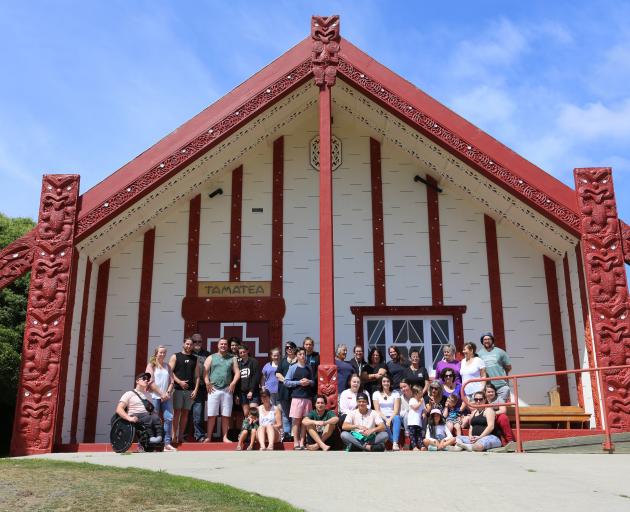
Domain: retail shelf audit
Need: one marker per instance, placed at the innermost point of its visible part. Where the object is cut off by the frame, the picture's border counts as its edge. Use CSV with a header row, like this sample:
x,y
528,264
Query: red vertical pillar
x,y
607,289
326,38
47,311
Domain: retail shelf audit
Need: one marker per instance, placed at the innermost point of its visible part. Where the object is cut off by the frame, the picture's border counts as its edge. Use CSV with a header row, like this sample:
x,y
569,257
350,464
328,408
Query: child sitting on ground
x,y
437,434
453,414
414,418
248,430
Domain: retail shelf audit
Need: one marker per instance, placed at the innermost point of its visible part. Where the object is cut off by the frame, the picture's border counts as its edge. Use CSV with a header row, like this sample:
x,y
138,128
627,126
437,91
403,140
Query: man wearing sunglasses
x,y
284,394
135,407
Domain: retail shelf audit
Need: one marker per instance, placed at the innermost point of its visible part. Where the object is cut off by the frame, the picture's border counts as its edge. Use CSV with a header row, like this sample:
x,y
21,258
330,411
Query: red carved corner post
x,y
326,38
38,390
606,288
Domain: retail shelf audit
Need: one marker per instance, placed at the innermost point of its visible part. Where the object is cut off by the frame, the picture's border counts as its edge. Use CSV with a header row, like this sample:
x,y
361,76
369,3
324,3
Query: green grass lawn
x,y
45,485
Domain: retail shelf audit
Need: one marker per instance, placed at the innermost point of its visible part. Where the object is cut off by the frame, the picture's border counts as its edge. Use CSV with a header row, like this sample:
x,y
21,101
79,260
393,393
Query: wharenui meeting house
x,y
327,197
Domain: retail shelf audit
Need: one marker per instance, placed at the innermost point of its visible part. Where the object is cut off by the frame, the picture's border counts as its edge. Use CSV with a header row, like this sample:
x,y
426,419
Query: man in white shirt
x,y
136,407
367,426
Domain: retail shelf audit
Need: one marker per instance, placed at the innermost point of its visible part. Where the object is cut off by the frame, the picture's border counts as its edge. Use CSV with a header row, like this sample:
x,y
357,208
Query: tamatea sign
x,y
234,288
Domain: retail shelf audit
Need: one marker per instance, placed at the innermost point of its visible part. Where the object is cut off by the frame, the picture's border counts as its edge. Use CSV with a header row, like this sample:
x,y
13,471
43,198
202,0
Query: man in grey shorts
x,y
186,376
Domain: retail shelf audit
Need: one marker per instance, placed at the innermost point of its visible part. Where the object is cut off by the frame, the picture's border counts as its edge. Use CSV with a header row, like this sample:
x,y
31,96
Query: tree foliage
x,y
13,300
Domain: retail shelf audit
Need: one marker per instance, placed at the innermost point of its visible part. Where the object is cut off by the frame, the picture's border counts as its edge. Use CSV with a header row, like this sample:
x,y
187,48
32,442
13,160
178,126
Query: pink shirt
x,y
133,404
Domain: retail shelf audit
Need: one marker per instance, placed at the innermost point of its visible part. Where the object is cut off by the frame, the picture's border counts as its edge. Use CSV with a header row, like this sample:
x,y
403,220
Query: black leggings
x,y
416,434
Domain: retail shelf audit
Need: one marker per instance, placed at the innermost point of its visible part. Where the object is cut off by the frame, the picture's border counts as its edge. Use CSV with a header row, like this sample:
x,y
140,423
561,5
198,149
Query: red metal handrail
x,y
607,444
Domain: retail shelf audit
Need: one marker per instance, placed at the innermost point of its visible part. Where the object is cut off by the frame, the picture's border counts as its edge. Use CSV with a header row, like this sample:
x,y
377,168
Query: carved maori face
x,y
327,385
325,28
35,411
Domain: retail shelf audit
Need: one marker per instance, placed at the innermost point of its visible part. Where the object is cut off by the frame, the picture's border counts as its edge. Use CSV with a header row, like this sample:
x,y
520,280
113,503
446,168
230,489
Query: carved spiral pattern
x,y
607,287
33,429
16,258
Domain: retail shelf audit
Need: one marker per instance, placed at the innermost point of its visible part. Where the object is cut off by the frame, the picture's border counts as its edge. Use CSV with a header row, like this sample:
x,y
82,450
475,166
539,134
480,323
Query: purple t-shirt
x,y
271,381
454,365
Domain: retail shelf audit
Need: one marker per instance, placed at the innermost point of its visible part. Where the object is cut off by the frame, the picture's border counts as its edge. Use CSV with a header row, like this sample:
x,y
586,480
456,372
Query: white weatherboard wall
x,y
74,347
352,231
525,313
170,259
87,353
301,234
120,332
566,330
214,230
465,261
256,226
406,231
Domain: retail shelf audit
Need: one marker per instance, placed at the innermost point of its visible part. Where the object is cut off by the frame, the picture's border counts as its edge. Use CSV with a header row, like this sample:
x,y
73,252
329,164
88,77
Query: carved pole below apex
x,y
326,38
38,389
606,287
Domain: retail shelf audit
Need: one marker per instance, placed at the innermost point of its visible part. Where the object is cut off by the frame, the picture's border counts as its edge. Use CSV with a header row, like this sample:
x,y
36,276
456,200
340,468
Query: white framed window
x,y
428,334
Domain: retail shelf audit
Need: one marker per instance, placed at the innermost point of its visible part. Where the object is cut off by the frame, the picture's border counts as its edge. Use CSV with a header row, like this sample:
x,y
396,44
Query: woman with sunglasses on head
x,y
448,361
161,386
483,434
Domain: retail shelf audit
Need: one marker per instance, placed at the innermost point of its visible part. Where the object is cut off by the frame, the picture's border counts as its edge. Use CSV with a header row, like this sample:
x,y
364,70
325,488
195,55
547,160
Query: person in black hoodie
x,y
250,380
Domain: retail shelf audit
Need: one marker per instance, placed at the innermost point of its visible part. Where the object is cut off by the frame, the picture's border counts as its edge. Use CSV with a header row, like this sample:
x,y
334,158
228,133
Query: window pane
x,y
376,335
439,338
408,334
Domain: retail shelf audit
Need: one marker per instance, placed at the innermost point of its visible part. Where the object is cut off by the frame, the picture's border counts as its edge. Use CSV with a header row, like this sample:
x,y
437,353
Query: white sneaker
x,y
395,447
155,440
464,446
454,448
169,448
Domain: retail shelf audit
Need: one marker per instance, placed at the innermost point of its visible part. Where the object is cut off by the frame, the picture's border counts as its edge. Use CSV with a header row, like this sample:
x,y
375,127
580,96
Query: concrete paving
x,y
399,481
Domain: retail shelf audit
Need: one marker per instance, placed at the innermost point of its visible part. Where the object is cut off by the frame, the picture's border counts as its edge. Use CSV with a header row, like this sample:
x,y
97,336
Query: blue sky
x,y
89,85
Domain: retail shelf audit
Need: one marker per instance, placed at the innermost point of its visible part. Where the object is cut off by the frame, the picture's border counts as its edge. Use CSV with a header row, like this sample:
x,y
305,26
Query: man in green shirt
x,y
320,425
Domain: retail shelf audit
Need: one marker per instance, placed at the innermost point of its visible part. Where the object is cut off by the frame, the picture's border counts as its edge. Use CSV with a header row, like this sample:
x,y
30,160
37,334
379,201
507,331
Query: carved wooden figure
x,y
38,391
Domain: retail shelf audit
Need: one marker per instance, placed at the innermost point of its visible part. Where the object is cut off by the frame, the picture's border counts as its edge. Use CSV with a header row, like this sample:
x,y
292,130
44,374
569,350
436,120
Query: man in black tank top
x,y
186,375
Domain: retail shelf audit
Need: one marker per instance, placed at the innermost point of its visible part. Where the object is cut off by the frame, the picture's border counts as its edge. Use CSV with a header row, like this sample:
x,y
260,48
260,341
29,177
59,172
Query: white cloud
x,y
484,105
596,121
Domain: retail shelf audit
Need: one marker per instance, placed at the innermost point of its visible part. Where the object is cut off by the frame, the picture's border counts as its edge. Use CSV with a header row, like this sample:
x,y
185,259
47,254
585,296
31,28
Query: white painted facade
x,y
407,271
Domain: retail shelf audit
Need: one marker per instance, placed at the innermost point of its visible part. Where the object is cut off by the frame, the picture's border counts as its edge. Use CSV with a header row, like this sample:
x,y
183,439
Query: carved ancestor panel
x,y
326,37
606,287
625,235
16,258
36,410
327,384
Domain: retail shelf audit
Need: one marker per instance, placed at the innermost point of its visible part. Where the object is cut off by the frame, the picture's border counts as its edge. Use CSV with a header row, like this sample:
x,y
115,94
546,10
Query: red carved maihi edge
x,y
465,150
16,258
625,236
38,390
327,384
606,287
192,150
326,38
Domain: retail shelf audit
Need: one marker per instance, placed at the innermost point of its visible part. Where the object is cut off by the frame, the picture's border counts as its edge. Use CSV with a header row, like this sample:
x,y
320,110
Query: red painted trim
x,y
378,235
557,338
65,349
194,138
96,356
80,349
494,281
199,309
277,220
192,266
435,250
572,329
456,312
144,308
530,184
326,259
16,258
236,224
588,336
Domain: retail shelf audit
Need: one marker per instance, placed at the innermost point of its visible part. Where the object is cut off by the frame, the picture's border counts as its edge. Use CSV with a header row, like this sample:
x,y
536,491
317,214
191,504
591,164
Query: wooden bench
x,y
559,416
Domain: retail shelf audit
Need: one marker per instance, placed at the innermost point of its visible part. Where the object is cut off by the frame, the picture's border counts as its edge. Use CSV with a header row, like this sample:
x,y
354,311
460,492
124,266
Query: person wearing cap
x,y
497,365
284,395
363,428
136,407
437,434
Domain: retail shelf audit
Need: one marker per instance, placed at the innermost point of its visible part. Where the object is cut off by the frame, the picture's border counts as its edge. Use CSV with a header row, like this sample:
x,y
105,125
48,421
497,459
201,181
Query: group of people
x,y
379,403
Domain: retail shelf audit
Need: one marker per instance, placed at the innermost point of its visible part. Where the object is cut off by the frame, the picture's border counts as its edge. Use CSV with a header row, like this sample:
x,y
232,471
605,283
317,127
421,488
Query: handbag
x,y
147,405
363,439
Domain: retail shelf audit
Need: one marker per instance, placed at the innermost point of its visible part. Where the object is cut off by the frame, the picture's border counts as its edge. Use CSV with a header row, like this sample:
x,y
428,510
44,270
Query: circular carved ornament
x,y
335,149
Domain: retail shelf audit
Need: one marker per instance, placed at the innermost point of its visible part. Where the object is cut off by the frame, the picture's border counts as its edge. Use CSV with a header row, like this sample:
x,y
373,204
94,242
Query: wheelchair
x,y
123,432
